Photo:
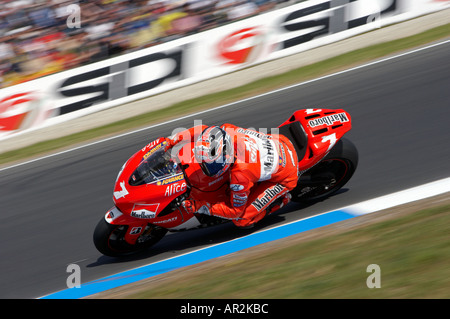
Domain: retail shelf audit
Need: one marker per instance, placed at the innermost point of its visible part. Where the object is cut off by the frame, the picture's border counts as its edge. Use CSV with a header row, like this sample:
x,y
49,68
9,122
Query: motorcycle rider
x,y
262,169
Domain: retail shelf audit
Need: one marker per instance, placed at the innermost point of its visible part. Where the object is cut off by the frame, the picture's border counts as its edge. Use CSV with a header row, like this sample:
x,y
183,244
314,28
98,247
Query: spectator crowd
x,y
41,37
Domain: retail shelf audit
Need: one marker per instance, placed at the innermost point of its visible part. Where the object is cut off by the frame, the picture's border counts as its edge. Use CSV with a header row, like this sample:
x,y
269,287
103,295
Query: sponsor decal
x,y
166,220
144,211
261,145
253,133
242,46
216,180
241,196
331,17
153,150
268,163
170,180
135,230
239,199
175,188
114,81
282,157
328,120
252,148
269,195
22,111
237,203
236,187
151,144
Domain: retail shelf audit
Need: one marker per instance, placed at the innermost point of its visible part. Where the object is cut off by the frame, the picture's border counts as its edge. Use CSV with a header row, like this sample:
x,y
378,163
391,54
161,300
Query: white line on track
x,y
233,103
399,198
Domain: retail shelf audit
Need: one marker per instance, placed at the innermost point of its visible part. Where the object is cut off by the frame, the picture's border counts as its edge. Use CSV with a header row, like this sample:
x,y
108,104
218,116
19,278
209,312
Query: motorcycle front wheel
x,y
110,239
329,175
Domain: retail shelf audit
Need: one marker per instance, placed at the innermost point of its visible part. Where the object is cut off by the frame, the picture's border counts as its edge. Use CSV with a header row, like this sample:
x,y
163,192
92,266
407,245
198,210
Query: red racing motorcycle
x,y
153,183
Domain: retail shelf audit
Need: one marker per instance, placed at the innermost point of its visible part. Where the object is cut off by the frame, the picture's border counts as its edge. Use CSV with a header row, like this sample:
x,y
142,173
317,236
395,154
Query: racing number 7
x,y
331,138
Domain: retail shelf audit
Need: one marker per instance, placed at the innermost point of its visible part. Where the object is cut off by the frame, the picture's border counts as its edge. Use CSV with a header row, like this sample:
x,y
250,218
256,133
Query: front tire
x,y
110,239
329,175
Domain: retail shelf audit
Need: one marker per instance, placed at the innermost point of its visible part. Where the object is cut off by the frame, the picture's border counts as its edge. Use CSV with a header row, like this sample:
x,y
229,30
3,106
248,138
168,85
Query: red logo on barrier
x,y
13,122
20,111
242,46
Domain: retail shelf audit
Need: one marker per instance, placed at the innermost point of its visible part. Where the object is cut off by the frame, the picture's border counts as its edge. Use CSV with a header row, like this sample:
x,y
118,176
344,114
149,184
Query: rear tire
x,y
329,175
110,239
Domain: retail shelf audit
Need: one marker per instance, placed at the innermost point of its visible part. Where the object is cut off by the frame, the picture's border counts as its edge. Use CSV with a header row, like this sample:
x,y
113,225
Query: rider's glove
x,y
189,206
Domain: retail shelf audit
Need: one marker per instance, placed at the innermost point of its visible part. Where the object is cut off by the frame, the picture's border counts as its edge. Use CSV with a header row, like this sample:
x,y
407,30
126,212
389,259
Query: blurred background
x,y
41,37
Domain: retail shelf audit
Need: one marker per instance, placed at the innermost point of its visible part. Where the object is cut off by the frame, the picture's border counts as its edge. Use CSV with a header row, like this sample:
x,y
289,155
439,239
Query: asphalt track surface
x,y
50,207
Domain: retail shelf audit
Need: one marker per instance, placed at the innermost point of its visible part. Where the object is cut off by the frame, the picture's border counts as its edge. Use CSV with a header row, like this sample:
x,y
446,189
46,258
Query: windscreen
x,y
156,165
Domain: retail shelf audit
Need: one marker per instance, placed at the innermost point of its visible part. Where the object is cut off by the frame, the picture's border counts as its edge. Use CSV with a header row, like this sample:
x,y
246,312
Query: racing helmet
x,y
214,151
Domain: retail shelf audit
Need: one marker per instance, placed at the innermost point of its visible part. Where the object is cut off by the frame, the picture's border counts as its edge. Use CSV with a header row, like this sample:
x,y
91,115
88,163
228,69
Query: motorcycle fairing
x,y
314,132
146,198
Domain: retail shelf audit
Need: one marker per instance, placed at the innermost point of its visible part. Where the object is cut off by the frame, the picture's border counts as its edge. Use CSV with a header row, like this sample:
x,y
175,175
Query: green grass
x,y
212,100
413,253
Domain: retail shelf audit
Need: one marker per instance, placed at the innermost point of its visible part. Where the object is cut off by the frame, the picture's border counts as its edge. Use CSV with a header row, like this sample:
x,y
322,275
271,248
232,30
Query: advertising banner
x,y
269,36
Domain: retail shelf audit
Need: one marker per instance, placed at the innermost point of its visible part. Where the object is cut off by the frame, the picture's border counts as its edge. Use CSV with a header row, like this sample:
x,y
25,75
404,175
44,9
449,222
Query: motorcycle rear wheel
x,y
329,175
110,239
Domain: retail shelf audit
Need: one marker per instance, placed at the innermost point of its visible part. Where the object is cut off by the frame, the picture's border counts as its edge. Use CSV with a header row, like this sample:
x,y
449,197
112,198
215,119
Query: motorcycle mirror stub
x,y
112,214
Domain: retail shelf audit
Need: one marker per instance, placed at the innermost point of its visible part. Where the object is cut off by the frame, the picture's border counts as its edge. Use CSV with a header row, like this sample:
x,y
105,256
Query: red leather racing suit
x,y
264,169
